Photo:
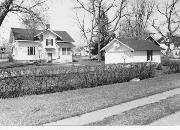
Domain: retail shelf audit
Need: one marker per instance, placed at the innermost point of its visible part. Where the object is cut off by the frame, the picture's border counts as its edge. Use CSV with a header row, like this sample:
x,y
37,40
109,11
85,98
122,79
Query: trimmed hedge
x,y
19,82
174,67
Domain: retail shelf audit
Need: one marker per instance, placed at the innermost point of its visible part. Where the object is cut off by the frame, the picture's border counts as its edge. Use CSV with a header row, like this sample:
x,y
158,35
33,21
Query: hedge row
x,y
18,82
174,67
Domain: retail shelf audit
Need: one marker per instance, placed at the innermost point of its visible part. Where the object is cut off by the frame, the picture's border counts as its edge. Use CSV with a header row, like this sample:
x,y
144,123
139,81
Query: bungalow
x,y
48,45
130,50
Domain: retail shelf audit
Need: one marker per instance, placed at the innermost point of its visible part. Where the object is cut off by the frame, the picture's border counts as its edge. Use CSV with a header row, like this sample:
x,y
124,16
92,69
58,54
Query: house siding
x,y
20,51
128,57
124,54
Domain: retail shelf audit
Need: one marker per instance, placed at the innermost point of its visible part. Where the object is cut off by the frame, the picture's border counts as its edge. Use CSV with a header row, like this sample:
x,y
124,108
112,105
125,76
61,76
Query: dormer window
x,y
58,39
49,42
36,39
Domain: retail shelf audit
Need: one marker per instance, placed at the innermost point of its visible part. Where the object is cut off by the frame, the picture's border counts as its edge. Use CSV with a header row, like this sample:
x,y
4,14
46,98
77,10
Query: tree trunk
x,y
4,10
99,53
99,31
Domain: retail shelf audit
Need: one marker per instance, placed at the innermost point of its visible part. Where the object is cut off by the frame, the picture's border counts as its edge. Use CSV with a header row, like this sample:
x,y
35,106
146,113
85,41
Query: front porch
x,y
59,55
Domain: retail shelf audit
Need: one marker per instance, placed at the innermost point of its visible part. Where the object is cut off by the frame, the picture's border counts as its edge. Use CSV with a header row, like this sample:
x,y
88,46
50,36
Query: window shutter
x,y
51,42
34,50
28,50
46,42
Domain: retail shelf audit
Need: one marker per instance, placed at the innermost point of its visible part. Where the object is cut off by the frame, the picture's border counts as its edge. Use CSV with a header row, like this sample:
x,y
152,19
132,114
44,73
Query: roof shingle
x,y
140,45
28,34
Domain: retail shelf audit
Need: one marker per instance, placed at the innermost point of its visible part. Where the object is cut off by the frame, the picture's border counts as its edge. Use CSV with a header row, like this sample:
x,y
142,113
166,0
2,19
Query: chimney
x,y
47,26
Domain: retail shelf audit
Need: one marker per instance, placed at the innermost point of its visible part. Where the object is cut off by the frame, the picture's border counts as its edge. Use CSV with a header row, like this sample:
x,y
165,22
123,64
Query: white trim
x,y
62,41
126,45
50,31
55,33
39,33
27,41
152,38
118,41
107,45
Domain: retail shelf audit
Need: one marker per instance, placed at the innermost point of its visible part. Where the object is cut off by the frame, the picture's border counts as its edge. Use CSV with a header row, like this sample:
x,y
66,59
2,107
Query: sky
x,y
62,17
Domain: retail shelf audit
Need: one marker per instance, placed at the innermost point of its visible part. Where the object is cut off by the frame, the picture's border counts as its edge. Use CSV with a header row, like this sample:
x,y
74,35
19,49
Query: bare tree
x,y
20,7
136,23
171,13
96,9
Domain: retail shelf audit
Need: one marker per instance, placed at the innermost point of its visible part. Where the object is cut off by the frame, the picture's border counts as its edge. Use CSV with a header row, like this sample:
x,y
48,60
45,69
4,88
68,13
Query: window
x,y
49,42
149,55
63,51
66,51
46,42
31,50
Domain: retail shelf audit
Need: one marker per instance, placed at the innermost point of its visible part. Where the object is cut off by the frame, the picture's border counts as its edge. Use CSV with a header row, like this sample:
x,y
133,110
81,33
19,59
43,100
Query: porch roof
x,y
50,49
65,44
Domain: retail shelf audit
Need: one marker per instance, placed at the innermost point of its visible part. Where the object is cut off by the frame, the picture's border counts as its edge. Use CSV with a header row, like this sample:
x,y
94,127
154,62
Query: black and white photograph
x,y
69,63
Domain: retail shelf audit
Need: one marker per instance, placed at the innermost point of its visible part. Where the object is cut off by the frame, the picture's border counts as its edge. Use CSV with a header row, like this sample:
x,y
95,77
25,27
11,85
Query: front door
x,y
149,55
49,57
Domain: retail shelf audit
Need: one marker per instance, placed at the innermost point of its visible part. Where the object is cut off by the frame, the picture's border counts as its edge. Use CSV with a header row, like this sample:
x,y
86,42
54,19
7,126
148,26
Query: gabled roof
x,y
65,44
136,45
151,38
29,34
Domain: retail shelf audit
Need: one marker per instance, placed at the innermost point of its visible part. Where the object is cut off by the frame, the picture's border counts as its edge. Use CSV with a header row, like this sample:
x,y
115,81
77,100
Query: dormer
x,y
58,39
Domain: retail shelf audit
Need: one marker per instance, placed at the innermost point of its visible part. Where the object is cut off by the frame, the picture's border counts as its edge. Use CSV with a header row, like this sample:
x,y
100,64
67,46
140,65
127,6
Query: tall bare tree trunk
x,y
4,10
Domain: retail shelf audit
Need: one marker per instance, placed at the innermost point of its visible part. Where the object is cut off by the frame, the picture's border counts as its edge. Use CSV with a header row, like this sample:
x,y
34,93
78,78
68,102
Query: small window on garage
x,y
31,50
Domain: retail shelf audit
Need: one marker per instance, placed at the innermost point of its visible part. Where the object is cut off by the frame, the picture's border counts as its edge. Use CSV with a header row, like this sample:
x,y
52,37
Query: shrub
x,y
159,67
174,67
19,82
165,61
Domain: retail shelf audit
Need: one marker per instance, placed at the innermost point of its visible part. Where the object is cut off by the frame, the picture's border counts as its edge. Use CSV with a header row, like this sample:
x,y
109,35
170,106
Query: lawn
x,y
79,62
143,115
40,109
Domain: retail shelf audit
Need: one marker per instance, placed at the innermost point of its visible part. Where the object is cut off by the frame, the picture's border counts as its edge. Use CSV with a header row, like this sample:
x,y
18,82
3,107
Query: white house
x,y
130,50
49,45
84,50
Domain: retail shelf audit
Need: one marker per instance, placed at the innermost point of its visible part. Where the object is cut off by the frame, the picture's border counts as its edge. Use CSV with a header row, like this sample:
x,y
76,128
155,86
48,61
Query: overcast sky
x,y
61,17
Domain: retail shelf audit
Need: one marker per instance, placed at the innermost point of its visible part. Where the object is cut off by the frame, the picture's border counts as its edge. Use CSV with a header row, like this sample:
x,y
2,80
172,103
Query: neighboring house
x,y
130,50
174,44
4,54
49,45
84,50
76,51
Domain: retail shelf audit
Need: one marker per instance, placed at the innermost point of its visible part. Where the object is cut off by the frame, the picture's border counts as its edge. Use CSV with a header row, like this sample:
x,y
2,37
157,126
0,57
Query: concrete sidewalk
x,y
171,120
103,113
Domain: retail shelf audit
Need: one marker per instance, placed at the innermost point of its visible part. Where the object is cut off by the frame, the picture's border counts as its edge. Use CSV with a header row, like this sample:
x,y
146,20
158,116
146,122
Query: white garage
x,y
130,50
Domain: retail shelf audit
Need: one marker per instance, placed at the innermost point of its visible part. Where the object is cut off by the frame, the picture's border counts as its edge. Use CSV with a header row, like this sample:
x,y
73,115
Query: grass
x,y
40,109
144,115
80,62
